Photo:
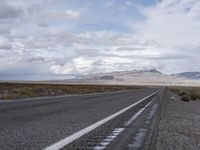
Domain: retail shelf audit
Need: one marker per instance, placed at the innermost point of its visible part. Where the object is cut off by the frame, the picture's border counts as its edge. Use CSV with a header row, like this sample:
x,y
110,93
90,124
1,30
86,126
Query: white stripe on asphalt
x,y
136,115
60,144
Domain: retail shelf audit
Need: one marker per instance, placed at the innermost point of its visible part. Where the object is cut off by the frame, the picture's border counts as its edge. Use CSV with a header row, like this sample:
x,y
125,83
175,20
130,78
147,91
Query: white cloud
x,y
50,36
76,66
5,44
82,63
72,14
175,25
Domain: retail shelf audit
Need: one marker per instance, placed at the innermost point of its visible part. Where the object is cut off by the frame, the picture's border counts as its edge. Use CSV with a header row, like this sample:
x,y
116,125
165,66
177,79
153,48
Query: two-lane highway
x,y
39,123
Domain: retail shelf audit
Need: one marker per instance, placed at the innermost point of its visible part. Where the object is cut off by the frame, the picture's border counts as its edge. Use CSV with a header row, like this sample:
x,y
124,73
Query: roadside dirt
x,y
29,90
179,124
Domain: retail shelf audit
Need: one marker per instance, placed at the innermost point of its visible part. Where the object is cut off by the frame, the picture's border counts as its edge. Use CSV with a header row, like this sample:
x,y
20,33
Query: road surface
x,y
76,122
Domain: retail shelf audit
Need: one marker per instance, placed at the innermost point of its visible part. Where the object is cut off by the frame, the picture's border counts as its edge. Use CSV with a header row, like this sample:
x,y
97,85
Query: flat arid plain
x,y
63,116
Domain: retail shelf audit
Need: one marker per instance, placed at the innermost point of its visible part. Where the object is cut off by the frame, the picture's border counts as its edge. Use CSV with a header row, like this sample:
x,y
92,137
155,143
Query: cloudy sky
x,y
88,36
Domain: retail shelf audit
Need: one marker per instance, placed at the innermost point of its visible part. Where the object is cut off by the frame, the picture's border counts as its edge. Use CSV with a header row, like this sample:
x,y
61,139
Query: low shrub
x,y
194,95
182,93
25,92
186,98
10,96
175,90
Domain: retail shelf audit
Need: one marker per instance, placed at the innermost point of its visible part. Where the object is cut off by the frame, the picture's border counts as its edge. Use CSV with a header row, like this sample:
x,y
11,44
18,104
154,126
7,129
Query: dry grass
x,y
27,90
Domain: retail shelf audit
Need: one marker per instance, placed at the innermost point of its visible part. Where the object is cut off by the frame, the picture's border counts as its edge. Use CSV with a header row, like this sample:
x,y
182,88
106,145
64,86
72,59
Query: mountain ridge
x,y
188,75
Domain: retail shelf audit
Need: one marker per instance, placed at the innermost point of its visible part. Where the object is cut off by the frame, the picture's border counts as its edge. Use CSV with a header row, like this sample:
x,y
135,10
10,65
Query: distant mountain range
x,y
147,77
188,75
111,75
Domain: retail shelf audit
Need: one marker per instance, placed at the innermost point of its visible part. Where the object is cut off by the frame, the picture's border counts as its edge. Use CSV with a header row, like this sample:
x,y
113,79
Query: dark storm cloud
x,y
9,12
36,59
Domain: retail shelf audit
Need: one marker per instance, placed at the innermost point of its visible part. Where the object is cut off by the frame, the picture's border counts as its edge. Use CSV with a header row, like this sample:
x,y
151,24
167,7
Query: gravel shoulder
x,y
179,124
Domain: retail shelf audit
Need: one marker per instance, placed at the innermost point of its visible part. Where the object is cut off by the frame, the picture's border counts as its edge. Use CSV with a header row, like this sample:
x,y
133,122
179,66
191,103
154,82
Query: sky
x,y
78,37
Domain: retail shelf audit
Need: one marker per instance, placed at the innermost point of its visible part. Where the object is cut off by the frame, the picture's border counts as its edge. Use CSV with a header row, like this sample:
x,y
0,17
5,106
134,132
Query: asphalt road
x,y
38,123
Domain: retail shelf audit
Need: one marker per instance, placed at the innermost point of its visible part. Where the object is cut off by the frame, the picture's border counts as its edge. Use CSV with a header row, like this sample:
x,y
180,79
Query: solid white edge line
x,y
60,144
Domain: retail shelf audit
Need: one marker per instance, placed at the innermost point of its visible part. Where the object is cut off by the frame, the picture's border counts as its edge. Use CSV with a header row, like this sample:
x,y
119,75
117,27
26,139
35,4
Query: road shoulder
x,y
178,124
